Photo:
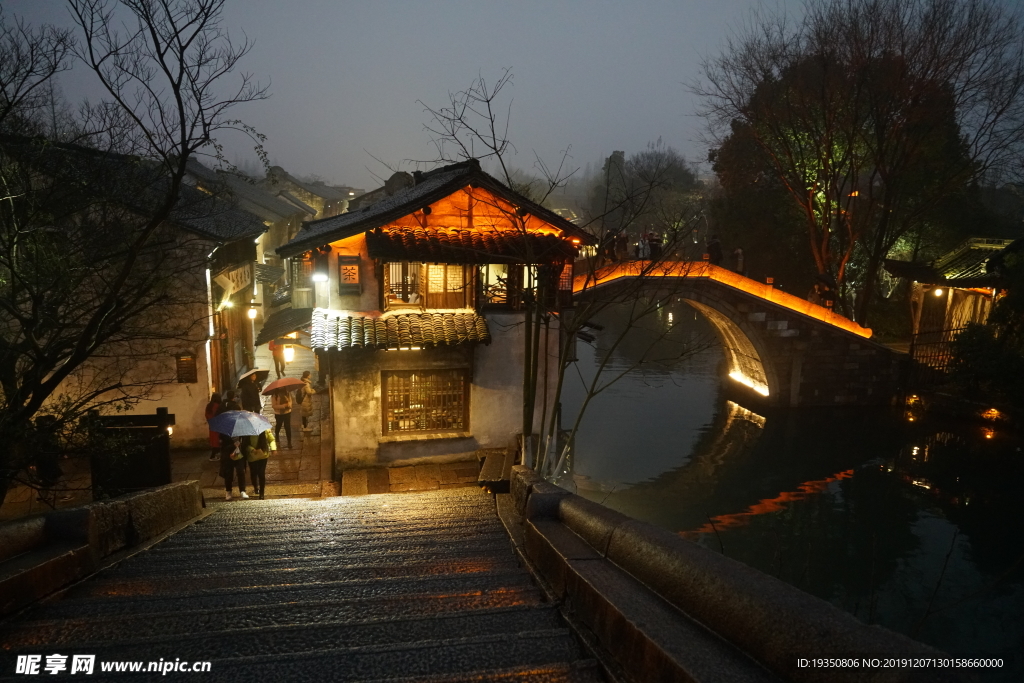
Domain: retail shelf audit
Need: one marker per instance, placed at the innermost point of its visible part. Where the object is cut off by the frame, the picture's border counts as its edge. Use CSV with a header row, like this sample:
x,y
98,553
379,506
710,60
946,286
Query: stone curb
x,y
44,553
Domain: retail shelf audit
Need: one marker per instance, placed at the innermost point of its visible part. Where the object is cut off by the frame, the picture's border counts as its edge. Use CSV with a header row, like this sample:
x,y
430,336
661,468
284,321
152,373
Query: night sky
x,y
345,77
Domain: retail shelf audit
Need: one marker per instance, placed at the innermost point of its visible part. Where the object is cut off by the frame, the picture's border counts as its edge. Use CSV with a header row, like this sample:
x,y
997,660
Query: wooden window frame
x,y
389,379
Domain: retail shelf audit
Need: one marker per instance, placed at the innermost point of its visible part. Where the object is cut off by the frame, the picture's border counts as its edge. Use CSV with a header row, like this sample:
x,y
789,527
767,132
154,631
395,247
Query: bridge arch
x,y
746,365
790,351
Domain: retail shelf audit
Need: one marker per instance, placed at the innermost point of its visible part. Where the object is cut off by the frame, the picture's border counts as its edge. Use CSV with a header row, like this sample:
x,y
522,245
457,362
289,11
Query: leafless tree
x,y
870,113
474,124
92,267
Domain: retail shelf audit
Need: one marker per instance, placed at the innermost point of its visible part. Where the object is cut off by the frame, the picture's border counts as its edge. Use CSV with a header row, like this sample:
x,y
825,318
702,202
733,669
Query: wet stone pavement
x,y
396,587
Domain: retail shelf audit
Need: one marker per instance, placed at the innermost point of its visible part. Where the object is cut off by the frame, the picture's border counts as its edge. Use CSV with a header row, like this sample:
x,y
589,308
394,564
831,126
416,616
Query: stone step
x,y
39,627
370,552
367,520
263,640
140,567
339,534
411,661
581,671
155,601
209,577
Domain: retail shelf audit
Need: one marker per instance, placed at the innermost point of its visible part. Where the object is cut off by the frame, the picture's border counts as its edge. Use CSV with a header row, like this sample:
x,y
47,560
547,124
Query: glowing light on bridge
x,y
708,271
747,382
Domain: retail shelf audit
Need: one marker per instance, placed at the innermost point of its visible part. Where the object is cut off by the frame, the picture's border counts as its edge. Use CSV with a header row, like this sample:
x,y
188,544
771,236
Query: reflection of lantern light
x,y
989,433
289,354
938,292
252,314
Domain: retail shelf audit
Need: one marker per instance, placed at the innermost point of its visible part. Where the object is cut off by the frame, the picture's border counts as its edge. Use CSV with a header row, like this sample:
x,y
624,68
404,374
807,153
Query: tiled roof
x,y
964,266
404,330
81,176
238,188
268,275
199,212
284,322
429,187
440,245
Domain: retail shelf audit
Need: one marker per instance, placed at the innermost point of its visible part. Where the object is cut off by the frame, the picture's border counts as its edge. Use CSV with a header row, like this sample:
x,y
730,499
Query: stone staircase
x,y
391,587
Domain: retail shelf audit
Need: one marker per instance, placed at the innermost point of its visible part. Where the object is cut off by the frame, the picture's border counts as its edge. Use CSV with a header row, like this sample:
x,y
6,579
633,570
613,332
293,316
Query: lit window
x,y
186,368
425,401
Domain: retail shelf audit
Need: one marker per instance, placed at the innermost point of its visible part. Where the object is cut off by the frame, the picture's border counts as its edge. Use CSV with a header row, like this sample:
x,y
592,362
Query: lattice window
x,y
403,282
446,286
425,401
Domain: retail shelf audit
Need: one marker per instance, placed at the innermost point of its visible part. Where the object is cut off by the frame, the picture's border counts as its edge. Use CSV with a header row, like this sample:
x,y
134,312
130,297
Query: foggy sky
x,y
345,77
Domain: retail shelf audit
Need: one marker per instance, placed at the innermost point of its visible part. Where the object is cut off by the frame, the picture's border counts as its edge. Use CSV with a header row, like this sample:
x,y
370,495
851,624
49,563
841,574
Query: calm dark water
x,y
913,525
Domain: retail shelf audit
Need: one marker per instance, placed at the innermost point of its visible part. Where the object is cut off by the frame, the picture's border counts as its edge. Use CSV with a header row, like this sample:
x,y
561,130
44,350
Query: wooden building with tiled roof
x,y
955,289
416,300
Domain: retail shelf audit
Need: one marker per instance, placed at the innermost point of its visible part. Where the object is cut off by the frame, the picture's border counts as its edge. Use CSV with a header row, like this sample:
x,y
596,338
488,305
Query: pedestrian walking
x,y
232,465
213,408
250,391
229,403
654,239
277,351
737,260
257,450
303,397
281,401
814,296
714,247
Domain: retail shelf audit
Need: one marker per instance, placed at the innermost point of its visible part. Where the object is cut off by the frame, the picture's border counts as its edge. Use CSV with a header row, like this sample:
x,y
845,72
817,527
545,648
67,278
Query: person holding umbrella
x,y
257,450
281,401
232,425
250,392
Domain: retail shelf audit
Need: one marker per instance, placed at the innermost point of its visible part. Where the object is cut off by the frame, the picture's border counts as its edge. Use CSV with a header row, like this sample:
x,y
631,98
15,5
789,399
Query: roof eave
x,y
471,178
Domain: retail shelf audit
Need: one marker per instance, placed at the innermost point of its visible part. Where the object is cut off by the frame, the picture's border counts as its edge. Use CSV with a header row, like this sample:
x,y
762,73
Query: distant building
x,y
325,200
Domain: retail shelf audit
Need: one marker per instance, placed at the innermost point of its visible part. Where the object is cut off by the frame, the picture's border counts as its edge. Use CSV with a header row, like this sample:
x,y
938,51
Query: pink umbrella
x,y
282,383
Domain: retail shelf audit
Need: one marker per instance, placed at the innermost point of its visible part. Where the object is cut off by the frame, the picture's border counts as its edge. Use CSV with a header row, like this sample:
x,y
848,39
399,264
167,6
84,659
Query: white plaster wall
x,y
497,392
496,395
187,402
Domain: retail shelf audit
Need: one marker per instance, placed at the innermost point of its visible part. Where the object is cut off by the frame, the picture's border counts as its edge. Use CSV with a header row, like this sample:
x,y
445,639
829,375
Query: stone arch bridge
x,y
786,350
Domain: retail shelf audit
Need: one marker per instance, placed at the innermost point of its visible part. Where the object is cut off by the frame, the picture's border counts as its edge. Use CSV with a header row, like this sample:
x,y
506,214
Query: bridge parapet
x,y
664,608
786,349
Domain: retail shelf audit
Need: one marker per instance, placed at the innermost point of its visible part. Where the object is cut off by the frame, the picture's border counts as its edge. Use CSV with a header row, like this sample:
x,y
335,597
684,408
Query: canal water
x,y
902,520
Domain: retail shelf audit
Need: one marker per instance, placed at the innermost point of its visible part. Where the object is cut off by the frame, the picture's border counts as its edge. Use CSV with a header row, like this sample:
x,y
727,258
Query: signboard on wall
x,y
235,280
348,275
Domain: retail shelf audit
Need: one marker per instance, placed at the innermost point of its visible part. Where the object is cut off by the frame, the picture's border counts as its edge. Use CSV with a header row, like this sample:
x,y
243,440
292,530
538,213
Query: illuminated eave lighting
x,y
938,292
698,269
319,277
747,382
289,353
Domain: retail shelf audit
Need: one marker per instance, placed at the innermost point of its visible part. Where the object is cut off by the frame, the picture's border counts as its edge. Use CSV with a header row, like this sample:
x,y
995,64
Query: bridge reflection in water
x,y
912,525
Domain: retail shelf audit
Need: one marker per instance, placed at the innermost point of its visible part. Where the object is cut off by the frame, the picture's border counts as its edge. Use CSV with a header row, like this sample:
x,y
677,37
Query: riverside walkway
x,y
395,587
